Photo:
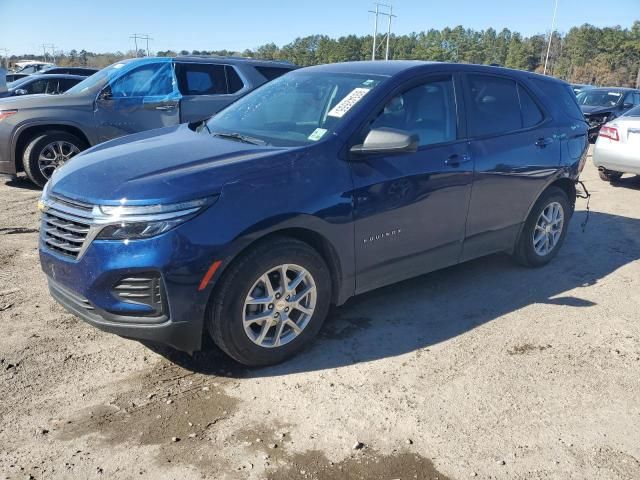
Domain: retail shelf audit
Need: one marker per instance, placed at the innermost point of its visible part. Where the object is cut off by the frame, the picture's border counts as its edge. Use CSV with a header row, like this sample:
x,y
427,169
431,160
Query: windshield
x,y
599,98
16,83
97,80
296,109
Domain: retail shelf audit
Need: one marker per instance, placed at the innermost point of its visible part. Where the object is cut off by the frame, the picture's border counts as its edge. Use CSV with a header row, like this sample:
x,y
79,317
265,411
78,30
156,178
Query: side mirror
x,y
627,106
105,94
387,140
20,91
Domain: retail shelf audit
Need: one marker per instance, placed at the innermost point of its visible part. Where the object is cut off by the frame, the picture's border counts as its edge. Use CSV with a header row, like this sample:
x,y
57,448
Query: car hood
x,y
166,165
591,110
30,102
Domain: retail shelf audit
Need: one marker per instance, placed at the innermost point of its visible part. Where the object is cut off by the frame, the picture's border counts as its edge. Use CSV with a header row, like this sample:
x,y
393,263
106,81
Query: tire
x,y
227,310
525,252
39,145
609,175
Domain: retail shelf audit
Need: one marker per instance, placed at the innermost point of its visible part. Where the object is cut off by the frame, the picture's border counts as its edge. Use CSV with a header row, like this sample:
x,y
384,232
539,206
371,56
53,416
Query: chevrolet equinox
x,y
322,184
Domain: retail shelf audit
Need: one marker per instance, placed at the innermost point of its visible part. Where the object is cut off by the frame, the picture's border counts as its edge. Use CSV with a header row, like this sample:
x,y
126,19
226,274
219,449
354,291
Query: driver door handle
x,y
543,142
455,160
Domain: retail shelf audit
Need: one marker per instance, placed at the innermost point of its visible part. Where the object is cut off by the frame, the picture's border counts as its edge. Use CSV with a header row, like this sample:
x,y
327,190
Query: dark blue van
x,y
322,184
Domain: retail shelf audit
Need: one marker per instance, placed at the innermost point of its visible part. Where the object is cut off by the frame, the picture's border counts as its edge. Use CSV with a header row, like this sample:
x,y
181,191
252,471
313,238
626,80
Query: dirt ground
x,y
484,370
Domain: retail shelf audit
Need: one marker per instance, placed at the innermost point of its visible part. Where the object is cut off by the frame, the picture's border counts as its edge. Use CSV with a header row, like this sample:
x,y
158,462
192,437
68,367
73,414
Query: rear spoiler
x,y
3,80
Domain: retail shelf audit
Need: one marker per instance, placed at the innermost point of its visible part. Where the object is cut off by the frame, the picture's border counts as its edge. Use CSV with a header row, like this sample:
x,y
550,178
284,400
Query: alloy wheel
x,y
548,229
279,305
54,154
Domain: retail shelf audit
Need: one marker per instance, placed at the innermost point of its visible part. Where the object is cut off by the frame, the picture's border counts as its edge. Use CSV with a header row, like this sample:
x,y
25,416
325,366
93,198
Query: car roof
x,y
613,89
233,60
394,67
56,75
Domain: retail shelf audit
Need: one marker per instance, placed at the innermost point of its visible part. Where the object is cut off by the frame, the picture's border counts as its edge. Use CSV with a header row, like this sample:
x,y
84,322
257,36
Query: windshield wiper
x,y
239,137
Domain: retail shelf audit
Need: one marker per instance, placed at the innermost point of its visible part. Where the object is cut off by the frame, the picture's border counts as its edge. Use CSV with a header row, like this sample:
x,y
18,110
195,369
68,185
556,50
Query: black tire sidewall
x,y
526,243
228,330
34,148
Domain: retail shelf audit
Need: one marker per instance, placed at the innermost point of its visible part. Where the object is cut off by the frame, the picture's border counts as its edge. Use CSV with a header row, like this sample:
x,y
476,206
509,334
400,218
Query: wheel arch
x,y
27,132
315,240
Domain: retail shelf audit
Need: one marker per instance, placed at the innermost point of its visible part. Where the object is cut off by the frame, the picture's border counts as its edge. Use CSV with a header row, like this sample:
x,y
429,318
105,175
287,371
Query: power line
x,y
141,36
387,11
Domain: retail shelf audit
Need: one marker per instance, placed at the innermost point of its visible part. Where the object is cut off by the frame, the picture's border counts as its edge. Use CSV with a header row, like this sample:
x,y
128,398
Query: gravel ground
x,y
484,370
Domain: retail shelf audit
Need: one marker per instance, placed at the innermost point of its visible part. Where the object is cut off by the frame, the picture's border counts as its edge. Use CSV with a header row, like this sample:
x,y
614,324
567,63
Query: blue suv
x,y
322,184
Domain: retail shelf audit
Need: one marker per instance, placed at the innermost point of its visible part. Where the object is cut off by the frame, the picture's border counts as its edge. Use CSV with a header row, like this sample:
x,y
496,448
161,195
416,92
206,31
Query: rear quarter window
x,y
562,95
272,72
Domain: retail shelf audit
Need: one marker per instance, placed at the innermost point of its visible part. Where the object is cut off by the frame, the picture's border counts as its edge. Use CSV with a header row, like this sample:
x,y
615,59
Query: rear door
x,y
206,88
140,99
516,150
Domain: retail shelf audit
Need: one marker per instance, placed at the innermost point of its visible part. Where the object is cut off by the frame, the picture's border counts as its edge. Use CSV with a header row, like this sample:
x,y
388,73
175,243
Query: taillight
x,y
609,132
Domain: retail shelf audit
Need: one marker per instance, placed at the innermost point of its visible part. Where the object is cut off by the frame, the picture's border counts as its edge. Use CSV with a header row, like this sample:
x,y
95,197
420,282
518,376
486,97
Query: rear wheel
x,y
545,229
46,152
609,175
271,302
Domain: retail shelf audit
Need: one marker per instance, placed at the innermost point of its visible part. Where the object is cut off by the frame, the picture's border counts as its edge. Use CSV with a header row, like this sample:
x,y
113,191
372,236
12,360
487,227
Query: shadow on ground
x,y
441,305
632,183
20,182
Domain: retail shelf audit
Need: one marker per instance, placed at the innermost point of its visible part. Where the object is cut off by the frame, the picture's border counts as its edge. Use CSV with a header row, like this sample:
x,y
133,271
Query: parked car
x,y
12,77
324,183
581,87
127,97
29,66
617,149
51,84
601,105
83,71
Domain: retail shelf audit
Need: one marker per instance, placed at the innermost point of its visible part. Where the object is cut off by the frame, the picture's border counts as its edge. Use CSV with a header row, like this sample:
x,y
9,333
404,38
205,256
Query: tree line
x,y
585,54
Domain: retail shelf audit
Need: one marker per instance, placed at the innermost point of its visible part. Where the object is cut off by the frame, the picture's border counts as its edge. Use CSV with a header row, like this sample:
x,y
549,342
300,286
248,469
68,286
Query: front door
x,y
410,209
140,99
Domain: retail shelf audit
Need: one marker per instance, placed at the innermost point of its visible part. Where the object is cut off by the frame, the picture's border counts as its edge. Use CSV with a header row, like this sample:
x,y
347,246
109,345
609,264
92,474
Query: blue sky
x,y
105,25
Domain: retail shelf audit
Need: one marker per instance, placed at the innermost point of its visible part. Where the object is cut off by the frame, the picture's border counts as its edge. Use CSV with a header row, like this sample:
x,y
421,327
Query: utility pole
x,y
6,57
386,12
553,27
140,36
44,51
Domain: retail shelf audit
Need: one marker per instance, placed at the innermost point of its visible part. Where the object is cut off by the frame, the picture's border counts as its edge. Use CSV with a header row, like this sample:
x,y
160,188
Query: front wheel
x,y
46,152
271,302
544,230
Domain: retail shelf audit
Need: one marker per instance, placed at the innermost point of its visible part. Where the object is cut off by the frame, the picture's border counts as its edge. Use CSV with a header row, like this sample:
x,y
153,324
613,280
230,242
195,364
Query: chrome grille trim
x,y
66,226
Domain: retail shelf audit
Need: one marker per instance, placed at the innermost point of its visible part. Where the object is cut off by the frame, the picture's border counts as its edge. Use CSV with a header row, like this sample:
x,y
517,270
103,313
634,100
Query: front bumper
x,y
86,286
180,335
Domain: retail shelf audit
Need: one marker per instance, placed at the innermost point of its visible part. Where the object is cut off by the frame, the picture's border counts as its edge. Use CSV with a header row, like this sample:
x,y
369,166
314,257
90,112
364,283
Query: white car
x,y
617,149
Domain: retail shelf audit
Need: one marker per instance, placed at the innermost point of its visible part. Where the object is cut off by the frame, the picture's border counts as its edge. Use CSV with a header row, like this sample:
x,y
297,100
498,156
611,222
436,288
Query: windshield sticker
x,y
317,134
348,102
368,83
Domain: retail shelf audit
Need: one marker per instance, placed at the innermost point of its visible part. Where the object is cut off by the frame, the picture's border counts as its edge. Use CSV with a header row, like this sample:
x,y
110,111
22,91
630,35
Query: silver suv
x,y
39,133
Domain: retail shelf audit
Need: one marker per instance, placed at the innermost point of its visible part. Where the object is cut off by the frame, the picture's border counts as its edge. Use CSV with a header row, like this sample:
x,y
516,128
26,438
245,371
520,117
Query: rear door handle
x,y
455,160
543,142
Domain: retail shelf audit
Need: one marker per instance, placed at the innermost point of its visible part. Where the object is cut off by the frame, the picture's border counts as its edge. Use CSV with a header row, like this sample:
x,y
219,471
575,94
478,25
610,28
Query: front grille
x,y
143,289
65,226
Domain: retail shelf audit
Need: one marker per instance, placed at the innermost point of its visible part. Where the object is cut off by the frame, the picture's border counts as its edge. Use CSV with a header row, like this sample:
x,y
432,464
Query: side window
x,y
636,98
155,79
234,82
52,87
67,83
428,111
201,79
39,86
531,114
493,107
562,95
271,73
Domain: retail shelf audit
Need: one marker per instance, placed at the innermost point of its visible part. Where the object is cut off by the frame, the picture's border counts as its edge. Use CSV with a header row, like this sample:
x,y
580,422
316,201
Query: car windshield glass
x,y
634,112
97,80
296,109
599,98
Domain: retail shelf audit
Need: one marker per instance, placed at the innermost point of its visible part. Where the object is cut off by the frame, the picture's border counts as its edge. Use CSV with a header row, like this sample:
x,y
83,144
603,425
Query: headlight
x,y
129,222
